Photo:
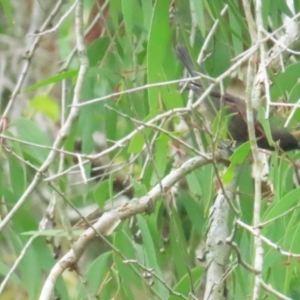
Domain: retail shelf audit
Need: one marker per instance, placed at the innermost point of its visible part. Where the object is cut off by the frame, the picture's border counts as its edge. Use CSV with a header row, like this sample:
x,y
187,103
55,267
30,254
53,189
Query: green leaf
x,y
240,154
32,279
51,80
97,272
30,132
148,244
136,144
111,121
102,192
90,121
139,188
284,9
205,177
128,13
219,60
171,98
284,82
194,211
157,49
8,10
130,281
246,189
199,14
150,252
265,12
160,157
17,175
266,125
294,95
220,124
4,270
281,206
96,51
46,105
193,183
236,27
52,233
178,244
147,7
184,285
238,157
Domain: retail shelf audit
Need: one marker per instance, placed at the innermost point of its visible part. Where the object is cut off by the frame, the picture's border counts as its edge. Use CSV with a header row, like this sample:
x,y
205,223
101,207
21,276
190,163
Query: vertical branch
x,y
252,97
218,251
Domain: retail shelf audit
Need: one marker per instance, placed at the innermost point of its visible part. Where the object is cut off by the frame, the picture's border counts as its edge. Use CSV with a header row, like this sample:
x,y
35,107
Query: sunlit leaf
x,y
137,143
46,105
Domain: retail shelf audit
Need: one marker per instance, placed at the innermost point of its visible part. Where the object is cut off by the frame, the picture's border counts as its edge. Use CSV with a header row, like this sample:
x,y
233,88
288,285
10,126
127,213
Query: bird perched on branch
x,y
236,107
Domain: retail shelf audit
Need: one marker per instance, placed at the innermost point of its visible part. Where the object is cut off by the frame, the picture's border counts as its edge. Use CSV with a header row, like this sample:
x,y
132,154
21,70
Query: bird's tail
x,y
184,57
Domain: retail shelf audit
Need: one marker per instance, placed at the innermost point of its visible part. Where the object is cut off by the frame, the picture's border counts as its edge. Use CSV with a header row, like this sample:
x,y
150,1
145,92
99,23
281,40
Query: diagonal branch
x,y
110,220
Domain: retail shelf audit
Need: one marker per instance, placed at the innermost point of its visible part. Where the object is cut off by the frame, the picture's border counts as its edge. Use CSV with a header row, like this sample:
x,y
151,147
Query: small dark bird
x,y
236,107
